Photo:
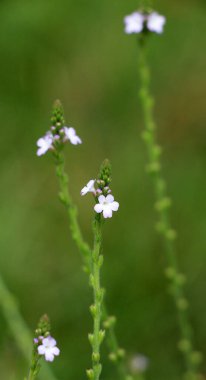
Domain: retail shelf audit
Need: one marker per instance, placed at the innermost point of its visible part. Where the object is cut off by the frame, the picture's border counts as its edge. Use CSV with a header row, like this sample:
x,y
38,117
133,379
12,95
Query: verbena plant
x,y
144,22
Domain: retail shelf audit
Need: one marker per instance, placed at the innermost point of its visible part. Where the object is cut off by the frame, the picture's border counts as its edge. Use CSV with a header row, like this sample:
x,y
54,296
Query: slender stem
x,y
35,367
71,210
162,206
117,354
19,328
96,309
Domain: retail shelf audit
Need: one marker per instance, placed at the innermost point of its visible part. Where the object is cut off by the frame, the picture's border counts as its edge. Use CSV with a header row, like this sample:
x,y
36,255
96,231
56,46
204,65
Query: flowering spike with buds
x,y
105,174
105,203
57,119
43,344
58,134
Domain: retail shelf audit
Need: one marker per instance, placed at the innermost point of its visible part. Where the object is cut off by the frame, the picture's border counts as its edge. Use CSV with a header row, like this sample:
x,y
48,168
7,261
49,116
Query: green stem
x,y
116,352
19,328
34,369
162,207
96,309
65,198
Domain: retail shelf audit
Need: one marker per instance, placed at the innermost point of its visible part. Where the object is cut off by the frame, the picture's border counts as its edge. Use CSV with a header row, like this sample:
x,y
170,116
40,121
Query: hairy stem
x,y
162,206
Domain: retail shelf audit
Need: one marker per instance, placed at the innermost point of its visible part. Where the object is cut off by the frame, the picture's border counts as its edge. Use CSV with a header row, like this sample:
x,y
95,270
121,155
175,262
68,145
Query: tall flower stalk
x,y
54,140
104,208
146,23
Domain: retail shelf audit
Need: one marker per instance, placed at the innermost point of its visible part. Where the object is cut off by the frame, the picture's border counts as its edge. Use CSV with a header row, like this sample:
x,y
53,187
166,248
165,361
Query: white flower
x,y
70,134
44,144
134,23
155,22
89,187
48,349
106,205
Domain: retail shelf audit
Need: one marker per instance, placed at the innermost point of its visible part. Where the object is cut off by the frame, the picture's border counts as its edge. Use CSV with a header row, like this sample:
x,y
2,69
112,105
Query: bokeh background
x,y
77,51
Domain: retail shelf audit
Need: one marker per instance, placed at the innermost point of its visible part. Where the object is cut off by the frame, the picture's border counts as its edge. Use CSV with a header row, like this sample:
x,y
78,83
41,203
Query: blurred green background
x,y
77,51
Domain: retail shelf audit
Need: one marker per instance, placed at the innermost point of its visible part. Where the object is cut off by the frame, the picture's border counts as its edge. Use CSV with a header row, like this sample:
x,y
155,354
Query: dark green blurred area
x,y
77,51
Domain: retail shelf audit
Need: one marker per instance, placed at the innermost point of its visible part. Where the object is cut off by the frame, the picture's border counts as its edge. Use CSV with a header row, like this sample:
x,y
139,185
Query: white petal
x,y
114,206
71,135
155,22
75,140
52,342
44,144
41,350
40,152
66,131
134,23
107,212
56,351
89,187
49,356
91,183
101,199
98,208
109,198
84,190
40,142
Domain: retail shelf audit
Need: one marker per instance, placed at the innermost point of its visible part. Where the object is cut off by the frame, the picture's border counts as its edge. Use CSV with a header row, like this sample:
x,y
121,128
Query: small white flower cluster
x,y
137,21
47,347
106,203
48,141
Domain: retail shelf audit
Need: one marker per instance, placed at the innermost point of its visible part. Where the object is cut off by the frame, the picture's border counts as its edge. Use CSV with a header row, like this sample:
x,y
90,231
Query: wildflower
x,y
89,187
155,22
106,205
137,21
44,144
48,349
70,134
134,23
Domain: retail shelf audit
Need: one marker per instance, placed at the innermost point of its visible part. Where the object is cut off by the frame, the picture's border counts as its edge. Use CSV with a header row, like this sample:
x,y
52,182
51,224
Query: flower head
x,y
138,21
44,144
48,349
58,133
155,22
134,23
70,134
89,187
106,205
